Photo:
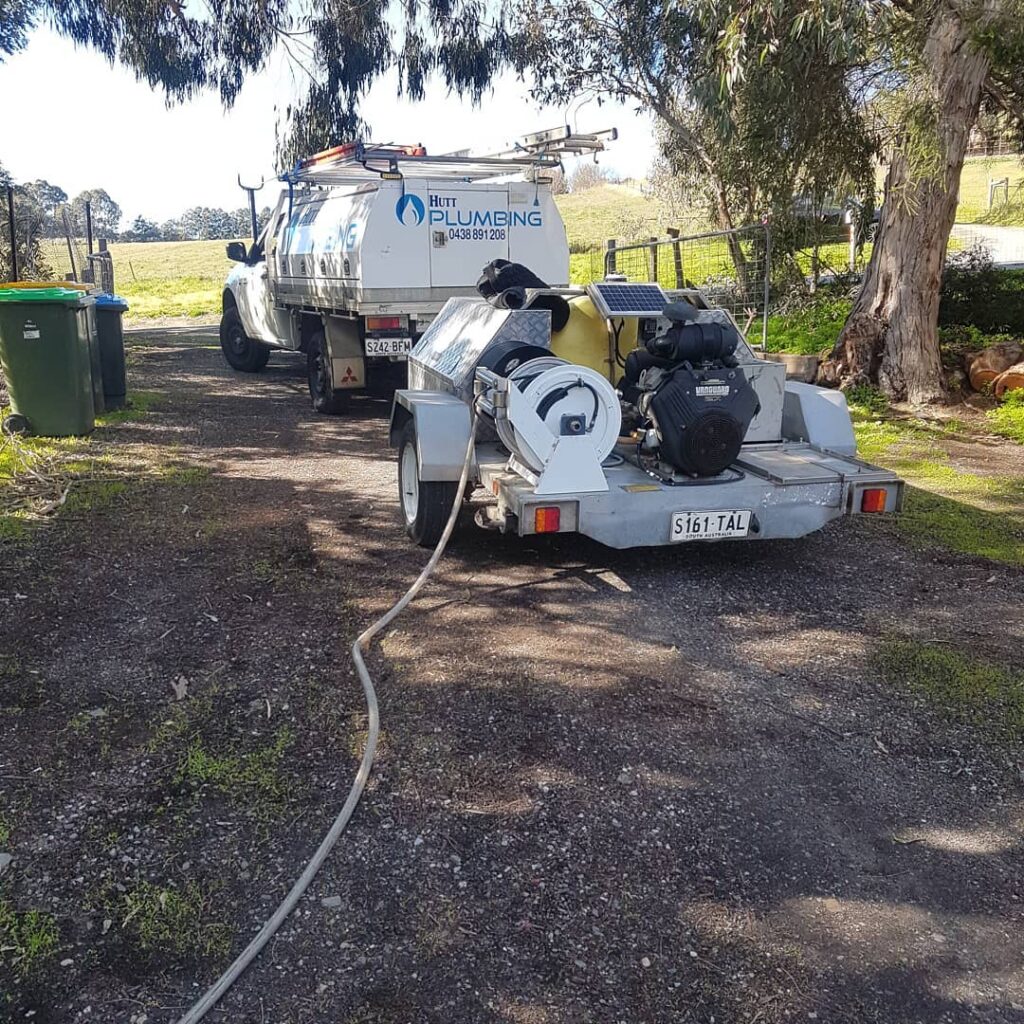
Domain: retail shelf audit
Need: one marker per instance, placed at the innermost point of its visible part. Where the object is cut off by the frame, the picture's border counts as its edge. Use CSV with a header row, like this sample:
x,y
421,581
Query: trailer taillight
x,y
383,323
547,519
873,499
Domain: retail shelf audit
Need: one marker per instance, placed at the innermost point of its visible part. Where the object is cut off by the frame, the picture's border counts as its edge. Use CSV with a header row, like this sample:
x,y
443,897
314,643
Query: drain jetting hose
x,y
246,957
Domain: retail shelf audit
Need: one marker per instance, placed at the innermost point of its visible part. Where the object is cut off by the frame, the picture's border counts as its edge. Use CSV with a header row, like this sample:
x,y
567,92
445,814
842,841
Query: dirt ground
x,y
650,786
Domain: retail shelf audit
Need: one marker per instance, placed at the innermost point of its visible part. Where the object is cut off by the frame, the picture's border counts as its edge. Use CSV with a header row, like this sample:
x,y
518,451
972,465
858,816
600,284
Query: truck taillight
x,y
873,499
383,323
547,519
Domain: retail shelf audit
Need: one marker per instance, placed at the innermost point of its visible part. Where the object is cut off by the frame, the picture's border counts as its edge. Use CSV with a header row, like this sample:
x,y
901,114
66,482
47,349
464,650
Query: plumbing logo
x,y
410,210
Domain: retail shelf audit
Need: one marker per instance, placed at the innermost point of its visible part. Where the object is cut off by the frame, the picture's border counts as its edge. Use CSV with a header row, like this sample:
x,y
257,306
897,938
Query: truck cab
x,y
367,243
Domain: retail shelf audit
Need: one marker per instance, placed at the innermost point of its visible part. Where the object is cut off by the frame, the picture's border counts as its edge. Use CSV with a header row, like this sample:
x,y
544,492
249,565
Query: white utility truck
x,y
618,413
368,242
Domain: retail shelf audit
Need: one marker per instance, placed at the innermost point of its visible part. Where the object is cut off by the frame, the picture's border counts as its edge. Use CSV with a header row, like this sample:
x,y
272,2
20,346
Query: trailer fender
x,y
818,416
442,423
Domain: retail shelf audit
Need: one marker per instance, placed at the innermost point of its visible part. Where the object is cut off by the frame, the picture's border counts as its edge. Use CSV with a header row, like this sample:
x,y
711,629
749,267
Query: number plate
x,y
388,346
710,525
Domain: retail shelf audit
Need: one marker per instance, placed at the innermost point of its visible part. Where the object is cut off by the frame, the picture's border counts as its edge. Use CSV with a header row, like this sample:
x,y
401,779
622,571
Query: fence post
x,y
14,233
609,256
677,256
88,226
653,262
767,284
853,246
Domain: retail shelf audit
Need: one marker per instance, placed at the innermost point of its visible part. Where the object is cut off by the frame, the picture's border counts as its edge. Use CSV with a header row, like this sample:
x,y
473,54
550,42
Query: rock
x,y
625,778
331,902
802,368
5,861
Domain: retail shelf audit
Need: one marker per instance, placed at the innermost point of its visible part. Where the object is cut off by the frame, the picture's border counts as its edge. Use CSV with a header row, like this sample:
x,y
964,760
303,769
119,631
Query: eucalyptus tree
x,y
924,69
742,146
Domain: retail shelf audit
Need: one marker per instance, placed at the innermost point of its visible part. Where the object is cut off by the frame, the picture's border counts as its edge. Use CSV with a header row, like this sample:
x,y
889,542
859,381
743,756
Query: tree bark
x,y
891,335
725,222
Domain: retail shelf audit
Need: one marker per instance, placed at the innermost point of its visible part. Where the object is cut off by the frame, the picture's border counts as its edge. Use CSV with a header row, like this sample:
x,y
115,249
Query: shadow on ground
x,y
648,786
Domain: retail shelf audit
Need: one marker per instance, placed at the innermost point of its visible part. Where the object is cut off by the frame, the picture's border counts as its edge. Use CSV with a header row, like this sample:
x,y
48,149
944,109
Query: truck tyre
x,y
241,352
321,382
425,504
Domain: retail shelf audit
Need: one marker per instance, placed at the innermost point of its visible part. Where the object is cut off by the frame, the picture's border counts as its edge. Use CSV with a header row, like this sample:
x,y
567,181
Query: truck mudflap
x,y
773,491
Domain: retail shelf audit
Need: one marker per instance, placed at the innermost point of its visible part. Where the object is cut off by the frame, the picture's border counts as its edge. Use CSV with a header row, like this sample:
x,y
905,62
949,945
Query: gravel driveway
x,y
650,786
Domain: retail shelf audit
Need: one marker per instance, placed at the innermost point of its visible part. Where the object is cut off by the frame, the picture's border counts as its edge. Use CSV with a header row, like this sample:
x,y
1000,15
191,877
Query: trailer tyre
x,y
425,504
241,352
321,382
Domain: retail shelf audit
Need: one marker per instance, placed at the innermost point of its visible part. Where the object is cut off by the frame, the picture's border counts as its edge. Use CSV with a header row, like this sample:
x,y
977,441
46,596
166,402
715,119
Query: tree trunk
x,y
891,335
725,222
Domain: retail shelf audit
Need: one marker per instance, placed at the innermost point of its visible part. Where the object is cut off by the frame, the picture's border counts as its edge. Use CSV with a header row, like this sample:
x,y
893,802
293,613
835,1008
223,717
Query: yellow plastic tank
x,y
586,340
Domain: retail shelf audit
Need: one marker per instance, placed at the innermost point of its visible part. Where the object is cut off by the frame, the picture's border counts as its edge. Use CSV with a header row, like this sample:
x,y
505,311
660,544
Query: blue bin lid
x,y
107,301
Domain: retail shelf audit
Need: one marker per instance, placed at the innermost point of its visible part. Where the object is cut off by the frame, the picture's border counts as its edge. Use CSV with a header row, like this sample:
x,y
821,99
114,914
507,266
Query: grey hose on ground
x,y
213,994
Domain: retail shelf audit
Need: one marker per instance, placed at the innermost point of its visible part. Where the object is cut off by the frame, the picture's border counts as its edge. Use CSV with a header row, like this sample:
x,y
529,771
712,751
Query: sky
x,y
116,133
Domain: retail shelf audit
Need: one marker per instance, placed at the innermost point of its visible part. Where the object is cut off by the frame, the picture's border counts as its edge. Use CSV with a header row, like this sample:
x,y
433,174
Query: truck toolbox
x,y
368,242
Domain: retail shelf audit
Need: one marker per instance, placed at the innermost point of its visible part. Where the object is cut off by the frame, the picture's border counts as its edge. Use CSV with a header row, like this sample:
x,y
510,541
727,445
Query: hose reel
x,y
560,422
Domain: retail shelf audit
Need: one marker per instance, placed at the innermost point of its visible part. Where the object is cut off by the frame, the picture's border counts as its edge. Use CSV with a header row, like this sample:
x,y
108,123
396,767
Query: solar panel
x,y
613,298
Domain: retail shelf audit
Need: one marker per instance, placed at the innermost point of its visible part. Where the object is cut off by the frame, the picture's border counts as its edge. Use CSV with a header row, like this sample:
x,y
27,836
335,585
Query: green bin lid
x,y
64,296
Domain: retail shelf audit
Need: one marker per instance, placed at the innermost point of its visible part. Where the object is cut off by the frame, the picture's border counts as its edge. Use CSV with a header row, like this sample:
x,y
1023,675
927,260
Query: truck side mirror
x,y
236,252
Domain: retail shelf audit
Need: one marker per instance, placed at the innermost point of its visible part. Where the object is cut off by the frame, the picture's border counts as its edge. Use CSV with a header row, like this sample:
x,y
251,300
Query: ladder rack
x,y
356,162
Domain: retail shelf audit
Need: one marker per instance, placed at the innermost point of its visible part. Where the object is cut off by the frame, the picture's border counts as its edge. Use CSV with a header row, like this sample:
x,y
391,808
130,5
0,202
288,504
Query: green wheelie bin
x,y
46,352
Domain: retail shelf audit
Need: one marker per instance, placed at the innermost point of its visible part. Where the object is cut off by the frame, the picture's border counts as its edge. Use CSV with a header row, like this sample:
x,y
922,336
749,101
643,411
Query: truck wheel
x,y
425,504
241,352
321,383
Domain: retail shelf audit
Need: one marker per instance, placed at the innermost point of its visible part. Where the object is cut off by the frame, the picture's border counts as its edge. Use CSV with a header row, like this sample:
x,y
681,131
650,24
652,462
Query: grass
x,y
27,939
1007,419
22,456
974,180
977,515
609,211
161,919
5,829
252,779
965,688
810,330
139,404
95,478
170,278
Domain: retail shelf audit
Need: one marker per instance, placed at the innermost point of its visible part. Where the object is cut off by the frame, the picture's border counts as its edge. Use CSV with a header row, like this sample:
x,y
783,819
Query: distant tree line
x,y
45,211
197,222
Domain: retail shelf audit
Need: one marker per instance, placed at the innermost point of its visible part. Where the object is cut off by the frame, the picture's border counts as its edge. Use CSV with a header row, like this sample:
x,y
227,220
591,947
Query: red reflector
x,y
383,323
547,520
873,500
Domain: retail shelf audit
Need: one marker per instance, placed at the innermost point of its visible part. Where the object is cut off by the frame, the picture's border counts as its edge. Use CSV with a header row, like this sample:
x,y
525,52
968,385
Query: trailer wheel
x,y
241,352
425,504
321,383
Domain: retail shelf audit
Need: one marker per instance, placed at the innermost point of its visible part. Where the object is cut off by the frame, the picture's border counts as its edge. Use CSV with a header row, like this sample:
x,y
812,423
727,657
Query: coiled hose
x,y
213,994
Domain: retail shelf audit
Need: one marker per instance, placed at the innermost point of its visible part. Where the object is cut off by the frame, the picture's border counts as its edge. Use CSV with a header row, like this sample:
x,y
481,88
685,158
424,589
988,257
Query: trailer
x,y
624,414
367,242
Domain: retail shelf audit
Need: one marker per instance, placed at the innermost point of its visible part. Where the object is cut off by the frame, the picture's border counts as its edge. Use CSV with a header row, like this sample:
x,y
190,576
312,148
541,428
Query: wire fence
x,y
50,243
735,270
